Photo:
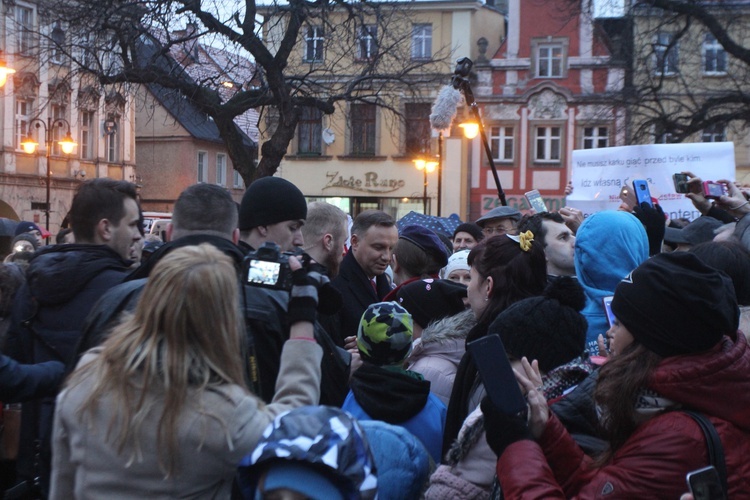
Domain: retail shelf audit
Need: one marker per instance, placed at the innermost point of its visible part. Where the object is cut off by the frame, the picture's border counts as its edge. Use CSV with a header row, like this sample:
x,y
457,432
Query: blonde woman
x,y
161,409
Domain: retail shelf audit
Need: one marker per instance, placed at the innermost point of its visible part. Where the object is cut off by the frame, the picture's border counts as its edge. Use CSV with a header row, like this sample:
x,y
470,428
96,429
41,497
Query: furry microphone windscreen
x,y
444,108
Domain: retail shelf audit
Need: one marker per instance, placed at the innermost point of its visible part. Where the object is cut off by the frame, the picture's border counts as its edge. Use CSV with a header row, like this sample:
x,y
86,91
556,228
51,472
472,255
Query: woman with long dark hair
x,y
674,347
504,270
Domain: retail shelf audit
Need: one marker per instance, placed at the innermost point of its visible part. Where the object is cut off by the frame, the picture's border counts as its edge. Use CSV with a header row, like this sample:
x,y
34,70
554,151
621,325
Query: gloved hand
x,y
503,430
654,222
303,298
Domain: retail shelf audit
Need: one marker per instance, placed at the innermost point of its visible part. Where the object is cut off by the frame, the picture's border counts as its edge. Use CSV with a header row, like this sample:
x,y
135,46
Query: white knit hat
x,y
457,261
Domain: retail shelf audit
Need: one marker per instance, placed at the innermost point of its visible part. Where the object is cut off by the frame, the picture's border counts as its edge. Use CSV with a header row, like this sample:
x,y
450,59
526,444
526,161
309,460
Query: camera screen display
x,y
263,272
714,189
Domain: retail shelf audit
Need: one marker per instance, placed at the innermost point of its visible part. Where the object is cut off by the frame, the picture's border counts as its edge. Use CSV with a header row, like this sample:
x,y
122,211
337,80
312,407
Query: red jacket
x,y
654,460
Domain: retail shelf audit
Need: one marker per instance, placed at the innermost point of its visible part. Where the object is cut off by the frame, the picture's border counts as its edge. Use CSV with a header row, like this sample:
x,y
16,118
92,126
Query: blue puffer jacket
x,y
403,463
609,245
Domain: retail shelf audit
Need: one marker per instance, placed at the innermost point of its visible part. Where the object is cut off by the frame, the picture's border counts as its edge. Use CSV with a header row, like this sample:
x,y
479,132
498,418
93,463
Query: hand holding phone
x,y
536,201
714,190
642,192
497,374
681,183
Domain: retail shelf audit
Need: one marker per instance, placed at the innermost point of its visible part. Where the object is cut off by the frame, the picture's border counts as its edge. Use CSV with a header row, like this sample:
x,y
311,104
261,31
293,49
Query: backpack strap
x,y
713,443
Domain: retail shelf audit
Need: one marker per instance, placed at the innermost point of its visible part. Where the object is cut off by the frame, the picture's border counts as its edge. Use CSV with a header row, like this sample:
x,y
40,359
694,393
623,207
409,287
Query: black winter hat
x,y
548,328
469,227
271,200
675,304
430,300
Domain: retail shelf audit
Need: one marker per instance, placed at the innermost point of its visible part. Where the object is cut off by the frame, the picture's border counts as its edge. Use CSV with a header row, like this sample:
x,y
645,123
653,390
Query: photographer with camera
x,y
272,214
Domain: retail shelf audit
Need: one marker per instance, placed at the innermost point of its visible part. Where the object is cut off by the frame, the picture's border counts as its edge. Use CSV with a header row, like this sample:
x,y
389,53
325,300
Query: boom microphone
x,y
445,107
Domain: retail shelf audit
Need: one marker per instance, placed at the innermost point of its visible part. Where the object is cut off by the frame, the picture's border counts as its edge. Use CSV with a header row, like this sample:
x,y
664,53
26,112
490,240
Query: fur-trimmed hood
x,y
452,327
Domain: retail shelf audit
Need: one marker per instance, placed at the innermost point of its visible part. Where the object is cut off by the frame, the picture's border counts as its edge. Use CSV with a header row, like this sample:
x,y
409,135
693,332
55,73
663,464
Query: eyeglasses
x,y
494,230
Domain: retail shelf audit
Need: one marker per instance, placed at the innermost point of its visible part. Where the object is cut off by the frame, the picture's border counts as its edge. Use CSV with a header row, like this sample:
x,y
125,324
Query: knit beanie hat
x,y
27,227
675,304
430,300
271,200
459,261
548,328
385,333
428,241
469,227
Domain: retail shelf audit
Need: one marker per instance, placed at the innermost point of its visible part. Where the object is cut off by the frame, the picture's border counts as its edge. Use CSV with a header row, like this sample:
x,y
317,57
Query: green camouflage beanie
x,y
385,333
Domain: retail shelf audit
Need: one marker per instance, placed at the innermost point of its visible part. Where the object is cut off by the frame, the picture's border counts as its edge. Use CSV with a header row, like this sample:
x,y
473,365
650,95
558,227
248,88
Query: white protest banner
x,y
599,174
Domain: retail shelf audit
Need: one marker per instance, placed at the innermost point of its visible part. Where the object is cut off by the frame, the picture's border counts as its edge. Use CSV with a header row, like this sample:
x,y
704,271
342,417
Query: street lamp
x,y
471,129
29,145
426,166
4,72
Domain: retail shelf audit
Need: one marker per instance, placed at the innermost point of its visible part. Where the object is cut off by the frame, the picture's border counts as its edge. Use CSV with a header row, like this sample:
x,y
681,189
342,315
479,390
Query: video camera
x,y
268,267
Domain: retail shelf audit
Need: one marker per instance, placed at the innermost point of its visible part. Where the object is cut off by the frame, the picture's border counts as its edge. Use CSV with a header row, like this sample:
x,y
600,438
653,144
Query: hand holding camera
x,y
733,201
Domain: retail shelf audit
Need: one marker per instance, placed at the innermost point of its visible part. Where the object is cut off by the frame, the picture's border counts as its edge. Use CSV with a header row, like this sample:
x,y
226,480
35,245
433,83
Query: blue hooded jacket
x,y
609,245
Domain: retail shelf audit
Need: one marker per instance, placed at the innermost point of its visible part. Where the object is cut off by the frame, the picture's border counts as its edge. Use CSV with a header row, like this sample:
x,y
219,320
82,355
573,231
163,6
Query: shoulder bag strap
x,y
715,448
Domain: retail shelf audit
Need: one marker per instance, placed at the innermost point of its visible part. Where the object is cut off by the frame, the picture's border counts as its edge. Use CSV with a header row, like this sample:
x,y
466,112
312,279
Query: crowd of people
x,y
278,349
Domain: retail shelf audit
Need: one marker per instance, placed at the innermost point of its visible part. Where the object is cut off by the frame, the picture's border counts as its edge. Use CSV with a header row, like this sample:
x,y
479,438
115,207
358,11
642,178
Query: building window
x,y
421,41
665,52
221,169
237,180
25,29
367,41
309,131
549,61
57,44
86,130
714,133
548,144
314,44
662,137
202,166
88,51
595,137
112,142
59,130
417,126
714,56
501,143
23,117
362,118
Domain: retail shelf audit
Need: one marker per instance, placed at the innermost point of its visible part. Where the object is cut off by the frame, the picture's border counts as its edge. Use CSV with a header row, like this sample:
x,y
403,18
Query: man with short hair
x,y
558,241
325,233
65,281
499,220
361,279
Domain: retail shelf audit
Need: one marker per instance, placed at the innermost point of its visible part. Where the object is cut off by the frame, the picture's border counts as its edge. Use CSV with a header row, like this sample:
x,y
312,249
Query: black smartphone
x,y
497,374
642,193
680,183
705,484
536,201
607,301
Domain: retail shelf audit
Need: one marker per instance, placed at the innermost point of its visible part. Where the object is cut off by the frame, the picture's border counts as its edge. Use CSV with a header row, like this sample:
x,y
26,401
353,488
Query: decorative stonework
x,y
547,105
504,112
595,112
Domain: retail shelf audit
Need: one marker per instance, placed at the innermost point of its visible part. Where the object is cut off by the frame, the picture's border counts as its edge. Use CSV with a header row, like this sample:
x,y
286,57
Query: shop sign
x,y
370,182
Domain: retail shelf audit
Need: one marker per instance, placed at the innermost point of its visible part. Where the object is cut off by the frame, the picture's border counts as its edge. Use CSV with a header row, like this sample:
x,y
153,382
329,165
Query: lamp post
x,y
29,145
425,166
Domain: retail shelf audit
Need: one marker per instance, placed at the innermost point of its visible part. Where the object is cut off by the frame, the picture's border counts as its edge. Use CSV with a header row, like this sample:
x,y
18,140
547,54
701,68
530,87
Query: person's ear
x,y
170,231
104,230
394,264
354,242
328,242
236,235
262,230
490,285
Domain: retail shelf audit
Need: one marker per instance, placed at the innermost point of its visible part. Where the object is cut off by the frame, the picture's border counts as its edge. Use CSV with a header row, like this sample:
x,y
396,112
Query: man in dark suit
x,y
361,279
